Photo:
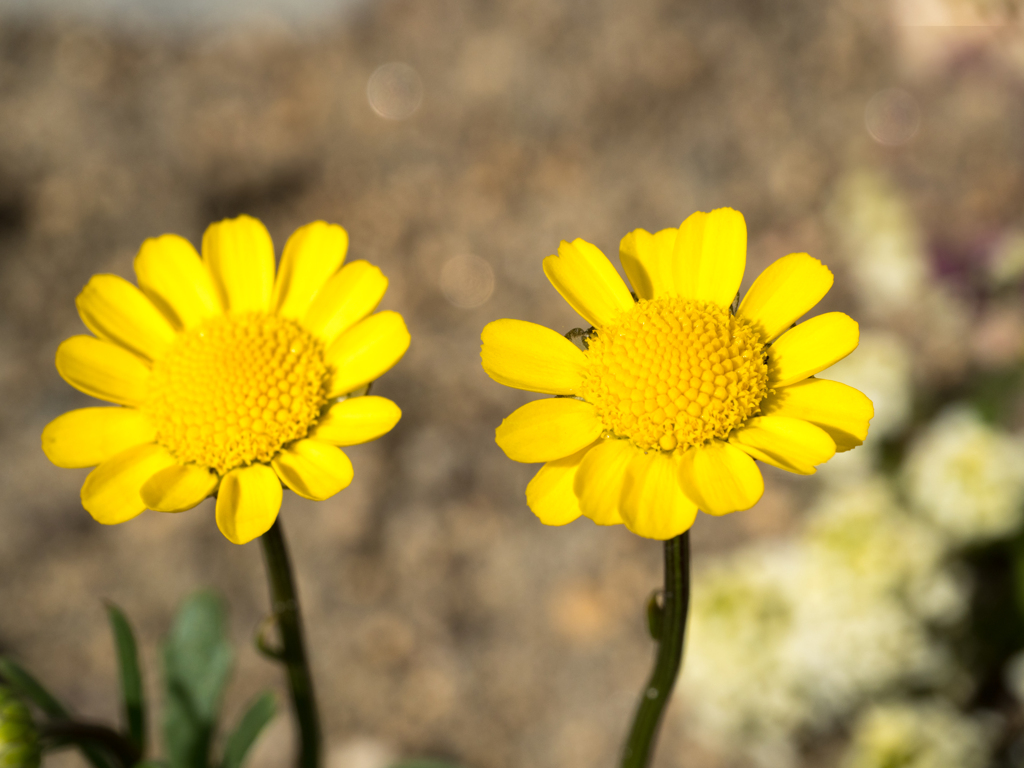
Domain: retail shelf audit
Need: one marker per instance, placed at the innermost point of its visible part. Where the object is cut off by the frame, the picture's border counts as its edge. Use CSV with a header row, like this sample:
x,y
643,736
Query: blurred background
x,y
868,616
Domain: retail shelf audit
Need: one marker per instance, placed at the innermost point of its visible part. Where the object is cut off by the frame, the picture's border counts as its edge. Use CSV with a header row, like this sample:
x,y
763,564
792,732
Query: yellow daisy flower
x,y
676,393
230,381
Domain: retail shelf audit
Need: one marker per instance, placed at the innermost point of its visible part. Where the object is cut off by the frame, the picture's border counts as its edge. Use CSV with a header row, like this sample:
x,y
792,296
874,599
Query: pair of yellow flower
x,y
233,381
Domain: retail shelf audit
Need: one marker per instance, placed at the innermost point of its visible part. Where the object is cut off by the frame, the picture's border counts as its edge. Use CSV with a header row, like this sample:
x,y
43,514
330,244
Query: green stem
x,y
670,631
285,605
86,734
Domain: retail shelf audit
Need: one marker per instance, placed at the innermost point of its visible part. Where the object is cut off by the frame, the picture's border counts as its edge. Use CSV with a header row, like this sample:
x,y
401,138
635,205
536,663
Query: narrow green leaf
x,y
197,662
32,690
186,735
131,676
198,653
260,712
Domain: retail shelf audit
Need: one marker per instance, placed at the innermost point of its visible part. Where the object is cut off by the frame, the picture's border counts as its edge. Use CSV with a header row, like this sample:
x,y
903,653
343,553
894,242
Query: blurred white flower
x,y
915,734
884,246
863,534
880,367
743,695
967,477
867,596
788,638
892,274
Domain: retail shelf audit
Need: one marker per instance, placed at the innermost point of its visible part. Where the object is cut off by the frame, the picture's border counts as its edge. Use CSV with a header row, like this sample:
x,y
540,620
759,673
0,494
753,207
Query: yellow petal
x,y
790,444
312,469
90,436
248,502
720,478
102,369
710,256
648,261
841,411
529,356
312,254
179,487
811,347
116,310
653,504
240,255
588,281
365,351
171,274
784,292
600,479
346,298
111,491
550,494
548,429
357,420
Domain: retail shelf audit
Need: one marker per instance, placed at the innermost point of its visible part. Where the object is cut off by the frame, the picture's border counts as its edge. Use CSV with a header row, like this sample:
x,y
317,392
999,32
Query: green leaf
x,y
260,712
197,662
131,676
30,689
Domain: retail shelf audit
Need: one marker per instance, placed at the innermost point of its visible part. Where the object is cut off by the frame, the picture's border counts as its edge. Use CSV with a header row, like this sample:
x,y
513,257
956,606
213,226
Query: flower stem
x,y
285,605
669,629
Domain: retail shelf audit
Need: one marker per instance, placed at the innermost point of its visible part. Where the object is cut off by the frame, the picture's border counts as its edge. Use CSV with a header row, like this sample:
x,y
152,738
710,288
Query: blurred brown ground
x,y
444,620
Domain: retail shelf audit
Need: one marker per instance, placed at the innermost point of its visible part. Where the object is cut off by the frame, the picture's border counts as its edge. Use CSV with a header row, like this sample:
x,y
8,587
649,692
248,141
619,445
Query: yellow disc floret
x,y
236,389
674,373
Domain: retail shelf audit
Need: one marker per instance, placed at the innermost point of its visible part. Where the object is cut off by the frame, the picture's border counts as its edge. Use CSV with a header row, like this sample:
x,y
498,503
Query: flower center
x,y
675,373
236,389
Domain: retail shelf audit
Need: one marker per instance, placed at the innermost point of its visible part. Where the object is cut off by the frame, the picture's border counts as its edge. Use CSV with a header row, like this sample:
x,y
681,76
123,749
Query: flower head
x,y
675,394
229,380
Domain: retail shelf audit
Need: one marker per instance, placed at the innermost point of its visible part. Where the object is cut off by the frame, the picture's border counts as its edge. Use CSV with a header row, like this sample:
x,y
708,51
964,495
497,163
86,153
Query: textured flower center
x,y
675,373
236,389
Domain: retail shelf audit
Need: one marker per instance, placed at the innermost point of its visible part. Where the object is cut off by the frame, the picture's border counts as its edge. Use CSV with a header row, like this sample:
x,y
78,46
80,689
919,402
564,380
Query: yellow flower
x,y
676,394
231,382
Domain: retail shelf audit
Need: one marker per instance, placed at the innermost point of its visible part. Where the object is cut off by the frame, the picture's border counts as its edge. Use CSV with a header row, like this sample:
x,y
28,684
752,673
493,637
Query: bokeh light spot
x,y
395,90
892,117
467,281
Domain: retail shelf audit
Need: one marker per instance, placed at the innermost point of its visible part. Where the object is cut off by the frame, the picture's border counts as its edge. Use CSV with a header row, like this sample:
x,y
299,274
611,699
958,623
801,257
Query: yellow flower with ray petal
x,y
228,380
675,395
